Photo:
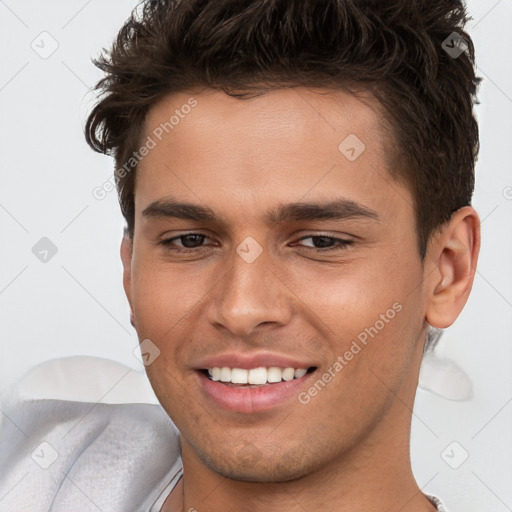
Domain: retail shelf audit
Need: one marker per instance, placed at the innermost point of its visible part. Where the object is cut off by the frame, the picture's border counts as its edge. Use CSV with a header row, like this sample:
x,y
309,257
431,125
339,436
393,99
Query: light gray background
x,y
75,304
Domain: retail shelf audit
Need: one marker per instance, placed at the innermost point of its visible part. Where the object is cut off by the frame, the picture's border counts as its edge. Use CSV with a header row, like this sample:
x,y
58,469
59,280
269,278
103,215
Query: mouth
x,y
254,390
255,377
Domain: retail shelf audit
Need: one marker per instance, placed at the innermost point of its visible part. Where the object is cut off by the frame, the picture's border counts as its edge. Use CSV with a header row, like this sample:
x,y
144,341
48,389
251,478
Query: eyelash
x,y
341,243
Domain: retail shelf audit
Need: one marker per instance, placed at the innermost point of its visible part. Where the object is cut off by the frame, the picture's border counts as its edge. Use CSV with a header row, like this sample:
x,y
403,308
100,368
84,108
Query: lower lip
x,y
251,400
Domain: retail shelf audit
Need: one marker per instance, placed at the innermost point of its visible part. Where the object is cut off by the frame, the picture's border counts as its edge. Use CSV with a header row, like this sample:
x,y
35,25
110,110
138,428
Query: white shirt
x,y
69,456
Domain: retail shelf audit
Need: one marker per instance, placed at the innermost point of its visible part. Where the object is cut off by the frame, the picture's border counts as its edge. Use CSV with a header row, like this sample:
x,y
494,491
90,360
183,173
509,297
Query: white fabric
x,y
109,458
445,378
86,379
437,502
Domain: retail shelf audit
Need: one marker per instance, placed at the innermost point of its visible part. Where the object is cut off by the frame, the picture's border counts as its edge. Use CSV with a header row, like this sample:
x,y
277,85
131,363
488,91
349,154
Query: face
x,y
297,253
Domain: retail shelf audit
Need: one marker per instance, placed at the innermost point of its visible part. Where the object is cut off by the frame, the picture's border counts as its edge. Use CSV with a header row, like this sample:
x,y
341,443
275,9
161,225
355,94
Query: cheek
x,y
163,295
351,296
371,313
161,304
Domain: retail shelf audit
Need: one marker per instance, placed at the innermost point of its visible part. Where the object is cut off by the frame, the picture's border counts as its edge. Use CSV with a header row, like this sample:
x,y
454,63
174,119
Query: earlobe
x,y
126,258
455,254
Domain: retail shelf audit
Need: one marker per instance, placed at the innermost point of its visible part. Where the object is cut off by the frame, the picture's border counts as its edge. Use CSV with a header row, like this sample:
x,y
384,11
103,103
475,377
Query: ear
x,y
126,258
454,252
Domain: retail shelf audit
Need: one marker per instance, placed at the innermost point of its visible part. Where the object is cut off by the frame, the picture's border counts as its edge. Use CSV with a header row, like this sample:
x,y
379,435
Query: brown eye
x,y
185,243
326,243
191,241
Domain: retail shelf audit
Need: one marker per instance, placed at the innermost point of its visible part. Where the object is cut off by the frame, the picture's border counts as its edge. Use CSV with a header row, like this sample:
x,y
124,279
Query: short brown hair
x,y
398,50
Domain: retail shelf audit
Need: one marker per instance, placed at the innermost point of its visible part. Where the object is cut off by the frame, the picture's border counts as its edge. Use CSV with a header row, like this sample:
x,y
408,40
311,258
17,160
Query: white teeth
x,y
300,373
225,374
255,376
239,376
258,376
274,374
288,374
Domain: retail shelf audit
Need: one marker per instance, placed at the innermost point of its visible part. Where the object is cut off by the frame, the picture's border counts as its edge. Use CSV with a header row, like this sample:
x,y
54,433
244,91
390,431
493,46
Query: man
x,y
296,178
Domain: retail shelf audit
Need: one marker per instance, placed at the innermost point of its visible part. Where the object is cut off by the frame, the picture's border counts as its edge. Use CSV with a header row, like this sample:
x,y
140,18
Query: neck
x,y
327,492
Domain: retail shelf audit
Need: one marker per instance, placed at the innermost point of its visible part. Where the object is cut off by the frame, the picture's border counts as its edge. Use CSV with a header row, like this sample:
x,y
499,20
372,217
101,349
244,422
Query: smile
x,y
255,390
255,376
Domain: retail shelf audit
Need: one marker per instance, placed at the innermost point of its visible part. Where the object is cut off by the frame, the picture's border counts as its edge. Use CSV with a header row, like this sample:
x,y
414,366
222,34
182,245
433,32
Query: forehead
x,y
283,116
283,145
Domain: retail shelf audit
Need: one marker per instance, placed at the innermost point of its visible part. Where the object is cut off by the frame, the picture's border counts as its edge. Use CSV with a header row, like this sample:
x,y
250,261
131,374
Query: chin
x,y
249,464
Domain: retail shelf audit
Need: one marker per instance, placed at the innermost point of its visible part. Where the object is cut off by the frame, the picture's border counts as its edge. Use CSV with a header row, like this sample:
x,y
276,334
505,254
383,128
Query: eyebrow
x,y
338,209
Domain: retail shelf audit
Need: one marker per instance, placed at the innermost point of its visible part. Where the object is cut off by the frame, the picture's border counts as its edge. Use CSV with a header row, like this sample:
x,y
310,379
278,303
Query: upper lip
x,y
248,361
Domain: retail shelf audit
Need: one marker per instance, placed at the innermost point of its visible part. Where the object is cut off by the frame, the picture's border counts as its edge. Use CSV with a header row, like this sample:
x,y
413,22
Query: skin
x,y
348,448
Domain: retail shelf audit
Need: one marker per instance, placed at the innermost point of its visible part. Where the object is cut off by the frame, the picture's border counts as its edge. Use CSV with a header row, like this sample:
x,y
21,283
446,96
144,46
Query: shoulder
x,y
63,454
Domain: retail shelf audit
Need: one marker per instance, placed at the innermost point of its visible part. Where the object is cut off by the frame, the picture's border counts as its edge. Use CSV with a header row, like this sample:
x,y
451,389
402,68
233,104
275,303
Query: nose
x,y
250,295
